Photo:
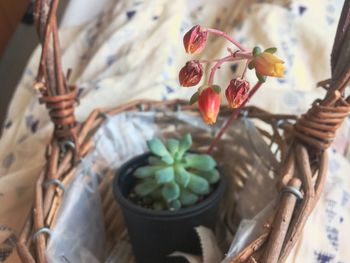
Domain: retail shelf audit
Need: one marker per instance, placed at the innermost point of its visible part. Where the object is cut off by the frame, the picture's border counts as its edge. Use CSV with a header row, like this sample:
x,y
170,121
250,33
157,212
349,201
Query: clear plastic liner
x,y
260,186
79,233
249,230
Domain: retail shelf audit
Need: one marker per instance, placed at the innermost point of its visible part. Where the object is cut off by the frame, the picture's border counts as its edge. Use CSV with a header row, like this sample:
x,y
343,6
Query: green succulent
x,y
174,177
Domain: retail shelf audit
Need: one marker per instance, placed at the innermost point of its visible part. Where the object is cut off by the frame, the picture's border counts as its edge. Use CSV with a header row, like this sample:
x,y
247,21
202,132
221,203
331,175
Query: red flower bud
x,y
191,73
194,40
209,105
237,92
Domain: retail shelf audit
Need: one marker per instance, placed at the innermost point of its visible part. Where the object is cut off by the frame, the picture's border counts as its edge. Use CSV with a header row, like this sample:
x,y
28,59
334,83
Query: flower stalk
x,y
265,63
232,118
228,37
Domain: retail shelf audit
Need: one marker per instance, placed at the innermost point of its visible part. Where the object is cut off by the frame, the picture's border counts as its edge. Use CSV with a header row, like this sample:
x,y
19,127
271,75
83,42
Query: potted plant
x,y
164,194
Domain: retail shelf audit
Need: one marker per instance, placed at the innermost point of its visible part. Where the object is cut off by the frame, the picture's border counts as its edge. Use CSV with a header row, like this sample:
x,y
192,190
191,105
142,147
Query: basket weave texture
x,y
302,142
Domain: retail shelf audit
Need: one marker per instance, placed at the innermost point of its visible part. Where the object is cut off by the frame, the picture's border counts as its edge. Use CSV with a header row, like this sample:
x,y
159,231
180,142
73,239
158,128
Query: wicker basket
x,y
302,143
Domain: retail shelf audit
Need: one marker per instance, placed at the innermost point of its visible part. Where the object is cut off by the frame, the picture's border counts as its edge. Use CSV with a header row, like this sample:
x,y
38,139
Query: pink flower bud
x,y
209,105
195,39
191,74
237,92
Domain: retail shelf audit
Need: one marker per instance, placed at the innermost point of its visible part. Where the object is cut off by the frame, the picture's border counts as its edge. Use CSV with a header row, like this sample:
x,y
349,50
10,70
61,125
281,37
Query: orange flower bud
x,y
209,105
237,92
267,64
195,39
191,73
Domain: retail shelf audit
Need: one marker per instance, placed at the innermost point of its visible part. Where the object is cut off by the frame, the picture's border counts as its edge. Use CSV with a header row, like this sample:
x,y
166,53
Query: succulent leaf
x,y
146,187
182,176
185,144
166,184
175,205
164,175
177,156
168,159
212,176
173,146
157,147
171,191
187,198
198,185
146,171
202,162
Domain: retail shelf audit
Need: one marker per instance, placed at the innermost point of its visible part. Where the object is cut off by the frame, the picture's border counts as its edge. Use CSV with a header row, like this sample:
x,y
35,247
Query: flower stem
x,y
228,37
233,117
207,61
216,66
234,56
245,68
241,54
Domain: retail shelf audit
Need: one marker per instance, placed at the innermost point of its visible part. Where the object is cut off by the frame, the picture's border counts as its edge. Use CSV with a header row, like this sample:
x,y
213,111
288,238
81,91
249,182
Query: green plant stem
x,y
233,117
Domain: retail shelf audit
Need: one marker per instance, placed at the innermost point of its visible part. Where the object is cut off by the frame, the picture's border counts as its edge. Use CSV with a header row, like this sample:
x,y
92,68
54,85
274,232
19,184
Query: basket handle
x,y
318,126
58,96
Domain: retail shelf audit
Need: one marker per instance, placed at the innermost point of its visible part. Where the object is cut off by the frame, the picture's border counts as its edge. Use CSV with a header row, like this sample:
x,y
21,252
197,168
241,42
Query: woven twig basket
x,y
302,143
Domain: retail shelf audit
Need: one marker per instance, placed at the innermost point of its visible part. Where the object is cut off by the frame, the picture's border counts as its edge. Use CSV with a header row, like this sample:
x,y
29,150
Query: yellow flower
x,y
267,64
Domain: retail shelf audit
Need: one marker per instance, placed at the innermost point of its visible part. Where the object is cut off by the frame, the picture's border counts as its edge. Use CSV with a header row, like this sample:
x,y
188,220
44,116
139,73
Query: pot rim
x,y
181,213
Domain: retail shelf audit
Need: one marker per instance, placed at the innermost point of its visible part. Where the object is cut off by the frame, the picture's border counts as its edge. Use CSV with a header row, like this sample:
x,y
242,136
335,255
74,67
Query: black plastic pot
x,y
156,234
